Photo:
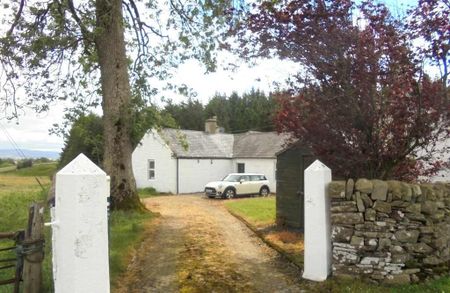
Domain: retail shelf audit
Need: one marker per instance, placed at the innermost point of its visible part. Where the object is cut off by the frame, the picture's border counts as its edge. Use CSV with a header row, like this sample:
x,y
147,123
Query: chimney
x,y
211,125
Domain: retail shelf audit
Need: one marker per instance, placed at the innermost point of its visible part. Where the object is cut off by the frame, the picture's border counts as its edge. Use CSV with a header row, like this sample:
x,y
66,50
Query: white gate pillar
x,y
317,261
80,228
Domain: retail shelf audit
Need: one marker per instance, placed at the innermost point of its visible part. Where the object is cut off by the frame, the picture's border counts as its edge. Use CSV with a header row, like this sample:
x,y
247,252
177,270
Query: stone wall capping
x,y
336,189
380,189
349,188
364,185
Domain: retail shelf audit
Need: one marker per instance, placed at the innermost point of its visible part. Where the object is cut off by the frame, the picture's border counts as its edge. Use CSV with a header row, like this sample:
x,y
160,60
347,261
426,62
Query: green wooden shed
x,y
291,164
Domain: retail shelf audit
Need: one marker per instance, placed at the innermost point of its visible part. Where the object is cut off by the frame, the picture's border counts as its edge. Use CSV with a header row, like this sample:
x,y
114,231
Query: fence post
x,y
33,250
317,222
80,228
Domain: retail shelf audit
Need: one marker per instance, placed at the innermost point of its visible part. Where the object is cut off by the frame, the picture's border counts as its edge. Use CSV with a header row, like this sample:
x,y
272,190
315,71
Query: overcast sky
x,y
32,130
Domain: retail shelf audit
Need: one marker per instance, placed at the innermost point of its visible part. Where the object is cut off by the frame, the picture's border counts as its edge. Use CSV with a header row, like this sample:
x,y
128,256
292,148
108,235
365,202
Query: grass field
x,y
18,189
259,214
7,168
4,164
39,170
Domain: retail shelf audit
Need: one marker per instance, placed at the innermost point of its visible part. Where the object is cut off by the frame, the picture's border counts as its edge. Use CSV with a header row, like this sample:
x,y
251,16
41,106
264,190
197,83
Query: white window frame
x,y
149,169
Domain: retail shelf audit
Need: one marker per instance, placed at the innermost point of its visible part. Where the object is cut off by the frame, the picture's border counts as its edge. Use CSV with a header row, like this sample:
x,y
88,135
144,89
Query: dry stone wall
x,y
390,231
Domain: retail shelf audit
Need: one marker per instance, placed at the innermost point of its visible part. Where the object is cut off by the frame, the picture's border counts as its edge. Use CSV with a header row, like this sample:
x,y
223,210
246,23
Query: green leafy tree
x,y
63,49
85,136
218,106
253,111
147,118
25,163
188,115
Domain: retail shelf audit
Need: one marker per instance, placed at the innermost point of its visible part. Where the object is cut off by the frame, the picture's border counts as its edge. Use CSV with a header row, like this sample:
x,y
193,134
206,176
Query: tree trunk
x,y
110,45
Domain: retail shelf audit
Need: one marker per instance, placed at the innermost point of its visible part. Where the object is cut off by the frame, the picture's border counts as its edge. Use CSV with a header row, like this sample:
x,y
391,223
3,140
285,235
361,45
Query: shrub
x,y
26,163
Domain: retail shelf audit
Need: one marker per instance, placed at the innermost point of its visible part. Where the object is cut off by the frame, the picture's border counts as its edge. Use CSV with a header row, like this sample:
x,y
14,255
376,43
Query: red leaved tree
x,y
430,24
361,101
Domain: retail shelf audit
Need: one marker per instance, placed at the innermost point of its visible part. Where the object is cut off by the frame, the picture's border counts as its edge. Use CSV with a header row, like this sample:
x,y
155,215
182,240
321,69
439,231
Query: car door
x,y
244,185
255,183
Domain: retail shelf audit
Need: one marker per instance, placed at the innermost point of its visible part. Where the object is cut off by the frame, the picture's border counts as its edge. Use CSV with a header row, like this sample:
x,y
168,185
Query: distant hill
x,y
34,154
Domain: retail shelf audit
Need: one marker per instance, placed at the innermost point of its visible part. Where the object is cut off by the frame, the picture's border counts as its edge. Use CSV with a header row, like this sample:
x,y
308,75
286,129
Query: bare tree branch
x,y
16,19
87,35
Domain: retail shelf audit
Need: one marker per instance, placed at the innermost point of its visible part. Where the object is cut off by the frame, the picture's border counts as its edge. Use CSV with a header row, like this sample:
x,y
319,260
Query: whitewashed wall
x,y
195,173
153,147
443,175
265,166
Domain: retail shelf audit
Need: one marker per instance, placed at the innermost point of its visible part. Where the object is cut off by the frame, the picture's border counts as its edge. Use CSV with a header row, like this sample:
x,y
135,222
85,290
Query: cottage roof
x,y
254,144
199,144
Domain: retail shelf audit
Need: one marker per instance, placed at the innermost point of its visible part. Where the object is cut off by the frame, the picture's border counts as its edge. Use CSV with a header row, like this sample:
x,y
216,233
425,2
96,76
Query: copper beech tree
x,y
361,101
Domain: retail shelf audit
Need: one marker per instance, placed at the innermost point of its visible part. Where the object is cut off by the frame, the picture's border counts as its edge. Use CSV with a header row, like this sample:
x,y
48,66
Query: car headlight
x,y
220,186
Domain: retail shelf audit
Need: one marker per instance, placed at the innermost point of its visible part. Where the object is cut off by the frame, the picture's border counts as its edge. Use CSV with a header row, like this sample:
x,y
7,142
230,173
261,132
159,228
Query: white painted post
x,y
80,228
317,259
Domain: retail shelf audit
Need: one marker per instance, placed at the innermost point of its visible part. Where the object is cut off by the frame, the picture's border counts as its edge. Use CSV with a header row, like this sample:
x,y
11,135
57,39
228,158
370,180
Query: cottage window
x,y
240,167
151,169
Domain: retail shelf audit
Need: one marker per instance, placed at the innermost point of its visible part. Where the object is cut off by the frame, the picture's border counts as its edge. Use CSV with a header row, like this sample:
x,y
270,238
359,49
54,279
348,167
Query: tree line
x,y
235,113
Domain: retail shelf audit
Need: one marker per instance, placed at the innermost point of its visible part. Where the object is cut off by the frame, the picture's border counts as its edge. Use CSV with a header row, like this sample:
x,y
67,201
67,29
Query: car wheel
x,y
229,193
264,191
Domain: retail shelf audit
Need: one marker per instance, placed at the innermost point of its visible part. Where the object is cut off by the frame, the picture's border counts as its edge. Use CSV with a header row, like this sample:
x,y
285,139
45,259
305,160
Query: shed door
x,y
290,187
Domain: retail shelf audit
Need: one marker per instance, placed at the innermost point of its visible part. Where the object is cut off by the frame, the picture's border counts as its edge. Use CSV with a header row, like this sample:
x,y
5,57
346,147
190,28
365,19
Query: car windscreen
x,y
232,178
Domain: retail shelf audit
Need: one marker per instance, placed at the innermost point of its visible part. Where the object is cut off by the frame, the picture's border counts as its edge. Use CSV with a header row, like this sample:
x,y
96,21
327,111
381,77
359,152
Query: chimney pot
x,y
211,125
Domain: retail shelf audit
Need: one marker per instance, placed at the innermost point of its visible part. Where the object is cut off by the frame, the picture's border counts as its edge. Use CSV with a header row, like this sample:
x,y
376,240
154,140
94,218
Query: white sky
x,y
32,130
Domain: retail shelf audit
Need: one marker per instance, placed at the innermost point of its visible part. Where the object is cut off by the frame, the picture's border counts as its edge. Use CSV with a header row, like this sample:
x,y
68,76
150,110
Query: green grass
x,y
126,231
45,169
14,217
257,211
10,184
6,163
147,192
10,168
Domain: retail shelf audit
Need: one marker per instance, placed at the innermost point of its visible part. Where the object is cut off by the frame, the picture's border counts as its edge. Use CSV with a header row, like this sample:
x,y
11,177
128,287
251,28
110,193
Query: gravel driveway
x,y
197,246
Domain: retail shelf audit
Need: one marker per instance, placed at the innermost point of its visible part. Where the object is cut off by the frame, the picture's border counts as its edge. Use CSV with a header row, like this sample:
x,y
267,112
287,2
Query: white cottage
x,y
444,174
183,161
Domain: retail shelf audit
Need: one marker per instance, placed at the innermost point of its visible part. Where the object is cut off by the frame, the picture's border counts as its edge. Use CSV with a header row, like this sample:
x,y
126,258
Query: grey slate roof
x,y
258,144
223,145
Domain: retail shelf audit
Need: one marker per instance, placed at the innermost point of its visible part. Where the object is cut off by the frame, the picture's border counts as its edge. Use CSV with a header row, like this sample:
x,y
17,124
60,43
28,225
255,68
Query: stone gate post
x,y
317,223
80,228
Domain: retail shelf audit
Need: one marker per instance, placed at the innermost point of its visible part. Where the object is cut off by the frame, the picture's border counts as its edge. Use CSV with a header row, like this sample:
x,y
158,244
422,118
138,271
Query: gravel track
x,y
197,246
